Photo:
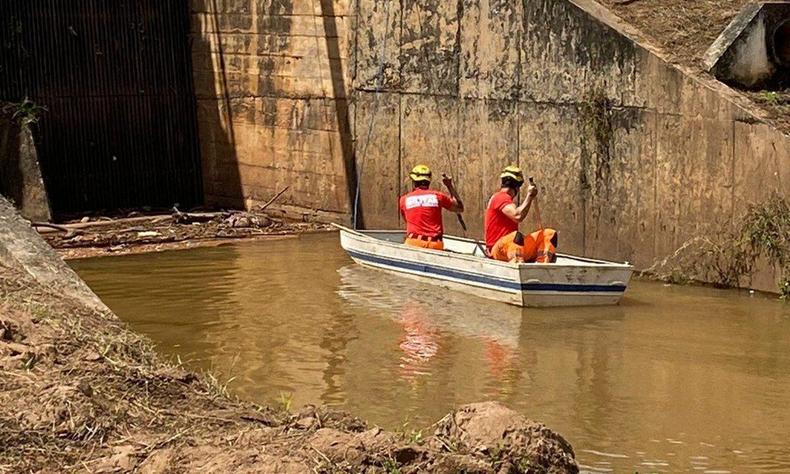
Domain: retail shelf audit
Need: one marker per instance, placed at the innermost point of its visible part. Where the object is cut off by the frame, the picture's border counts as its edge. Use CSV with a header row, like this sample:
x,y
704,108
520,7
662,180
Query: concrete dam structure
x,y
636,156
228,102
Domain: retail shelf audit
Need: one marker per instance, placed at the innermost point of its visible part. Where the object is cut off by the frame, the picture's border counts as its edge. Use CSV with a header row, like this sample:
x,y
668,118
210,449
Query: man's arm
x,y
458,205
518,214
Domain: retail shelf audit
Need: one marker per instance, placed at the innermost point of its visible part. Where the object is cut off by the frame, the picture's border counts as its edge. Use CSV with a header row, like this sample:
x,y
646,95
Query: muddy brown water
x,y
674,379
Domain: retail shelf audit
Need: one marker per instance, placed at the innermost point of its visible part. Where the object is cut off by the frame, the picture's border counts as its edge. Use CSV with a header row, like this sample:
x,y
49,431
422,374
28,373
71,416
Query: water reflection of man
x,y
419,341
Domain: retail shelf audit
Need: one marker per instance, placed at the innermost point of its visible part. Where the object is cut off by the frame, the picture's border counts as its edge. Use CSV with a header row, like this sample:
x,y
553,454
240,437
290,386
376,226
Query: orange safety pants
x,y
539,247
425,244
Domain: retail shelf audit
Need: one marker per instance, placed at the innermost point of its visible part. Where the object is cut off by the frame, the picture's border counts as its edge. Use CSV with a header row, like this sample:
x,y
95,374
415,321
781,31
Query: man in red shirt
x,y
422,209
502,215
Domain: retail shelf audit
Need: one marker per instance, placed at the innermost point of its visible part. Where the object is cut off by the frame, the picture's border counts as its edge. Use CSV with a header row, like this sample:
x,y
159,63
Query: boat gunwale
x,y
597,263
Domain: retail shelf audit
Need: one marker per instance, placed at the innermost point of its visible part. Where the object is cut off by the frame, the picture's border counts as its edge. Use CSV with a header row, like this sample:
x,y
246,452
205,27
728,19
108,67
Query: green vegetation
x,y
391,466
725,260
766,230
596,115
285,401
25,113
216,386
768,97
409,434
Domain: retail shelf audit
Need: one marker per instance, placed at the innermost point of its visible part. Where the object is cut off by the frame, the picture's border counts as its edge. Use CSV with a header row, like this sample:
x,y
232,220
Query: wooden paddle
x,y
454,193
537,206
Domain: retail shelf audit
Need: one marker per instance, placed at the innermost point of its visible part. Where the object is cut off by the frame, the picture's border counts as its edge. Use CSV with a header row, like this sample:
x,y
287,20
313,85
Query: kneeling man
x,y
502,218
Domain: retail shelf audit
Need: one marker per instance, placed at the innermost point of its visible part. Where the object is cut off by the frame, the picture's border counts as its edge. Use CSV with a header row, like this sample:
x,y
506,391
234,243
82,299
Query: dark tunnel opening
x,y
781,44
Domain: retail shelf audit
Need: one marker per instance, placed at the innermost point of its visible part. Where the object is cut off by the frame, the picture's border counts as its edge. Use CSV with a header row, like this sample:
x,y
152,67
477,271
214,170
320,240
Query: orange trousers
x,y
425,244
539,246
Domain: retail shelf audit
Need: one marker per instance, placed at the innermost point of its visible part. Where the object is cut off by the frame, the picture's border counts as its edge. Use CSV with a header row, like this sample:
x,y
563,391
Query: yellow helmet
x,y
420,173
513,172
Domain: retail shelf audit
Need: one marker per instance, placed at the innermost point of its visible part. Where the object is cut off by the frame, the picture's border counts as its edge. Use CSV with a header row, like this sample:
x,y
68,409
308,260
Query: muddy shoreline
x,y
79,391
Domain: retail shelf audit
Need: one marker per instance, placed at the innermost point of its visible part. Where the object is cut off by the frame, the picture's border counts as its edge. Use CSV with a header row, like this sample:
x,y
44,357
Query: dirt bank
x,y
685,30
80,392
142,234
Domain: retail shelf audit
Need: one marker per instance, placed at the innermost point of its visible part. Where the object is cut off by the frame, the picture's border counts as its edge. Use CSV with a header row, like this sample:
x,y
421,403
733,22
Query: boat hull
x,y
573,281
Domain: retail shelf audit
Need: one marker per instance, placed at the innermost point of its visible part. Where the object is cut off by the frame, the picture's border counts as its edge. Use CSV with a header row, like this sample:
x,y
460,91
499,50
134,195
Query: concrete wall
x,y
20,173
634,156
271,80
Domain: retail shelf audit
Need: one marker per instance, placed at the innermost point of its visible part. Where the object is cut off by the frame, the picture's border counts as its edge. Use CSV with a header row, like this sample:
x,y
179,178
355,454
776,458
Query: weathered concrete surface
x,y
20,174
22,248
272,79
750,51
634,155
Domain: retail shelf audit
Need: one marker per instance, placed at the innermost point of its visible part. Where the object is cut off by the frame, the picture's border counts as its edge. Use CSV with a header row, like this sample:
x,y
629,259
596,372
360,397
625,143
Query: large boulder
x,y
513,443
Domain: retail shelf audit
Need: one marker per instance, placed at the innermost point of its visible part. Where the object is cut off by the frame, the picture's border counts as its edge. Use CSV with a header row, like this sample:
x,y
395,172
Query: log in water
x,y
674,379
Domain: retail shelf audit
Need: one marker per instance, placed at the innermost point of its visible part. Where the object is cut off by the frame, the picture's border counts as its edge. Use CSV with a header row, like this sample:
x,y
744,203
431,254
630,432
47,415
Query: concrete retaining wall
x,y
635,156
20,173
271,79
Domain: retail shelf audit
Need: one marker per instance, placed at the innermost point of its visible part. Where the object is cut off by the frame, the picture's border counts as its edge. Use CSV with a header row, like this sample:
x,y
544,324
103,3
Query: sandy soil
x,y
80,392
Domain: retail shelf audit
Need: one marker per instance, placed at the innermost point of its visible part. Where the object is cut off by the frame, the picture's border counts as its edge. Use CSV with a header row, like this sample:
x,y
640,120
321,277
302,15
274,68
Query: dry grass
x,y
685,29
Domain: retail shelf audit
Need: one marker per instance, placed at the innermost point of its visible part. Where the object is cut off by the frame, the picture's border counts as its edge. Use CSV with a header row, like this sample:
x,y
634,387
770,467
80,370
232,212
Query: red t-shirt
x,y
497,224
422,209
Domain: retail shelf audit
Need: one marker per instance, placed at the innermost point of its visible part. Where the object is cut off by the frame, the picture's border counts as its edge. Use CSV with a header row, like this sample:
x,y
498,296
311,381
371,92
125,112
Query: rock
x,y
84,387
306,423
455,463
85,219
494,430
149,233
338,446
244,220
92,356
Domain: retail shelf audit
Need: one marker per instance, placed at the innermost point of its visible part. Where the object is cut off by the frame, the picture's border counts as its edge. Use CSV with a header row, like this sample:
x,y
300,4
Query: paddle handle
x,y
537,205
461,221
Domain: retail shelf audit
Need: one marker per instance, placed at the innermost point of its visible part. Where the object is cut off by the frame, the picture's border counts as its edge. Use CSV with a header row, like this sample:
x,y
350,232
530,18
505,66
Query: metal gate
x,y
115,77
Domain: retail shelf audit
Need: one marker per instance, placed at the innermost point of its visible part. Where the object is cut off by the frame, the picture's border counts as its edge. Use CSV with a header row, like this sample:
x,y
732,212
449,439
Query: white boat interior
x,y
474,248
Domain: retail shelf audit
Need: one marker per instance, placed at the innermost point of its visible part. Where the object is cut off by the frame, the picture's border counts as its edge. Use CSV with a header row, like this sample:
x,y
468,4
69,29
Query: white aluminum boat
x,y
571,281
